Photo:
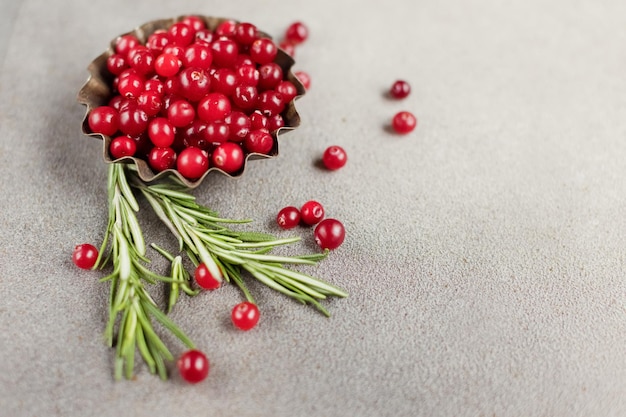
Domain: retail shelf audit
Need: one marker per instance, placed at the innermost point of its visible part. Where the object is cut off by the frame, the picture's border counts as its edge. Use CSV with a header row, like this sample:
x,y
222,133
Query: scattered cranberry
x,y
311,212
288,217
85,256
205,279
245,315
329,234
403,122
297,33
104,119
288,47
304,79
334,157
400,89
193,366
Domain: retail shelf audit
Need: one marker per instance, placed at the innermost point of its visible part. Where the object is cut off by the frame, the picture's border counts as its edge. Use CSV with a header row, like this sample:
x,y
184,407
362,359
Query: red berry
x,y
287,90
155,86
245,33
238,126
404,122
193,366
259,141
85,256
225,52
288,217
304,78
122,146
245,97
248,75
269,76
205,279
226,28
224,80
334,157
130,84
288,47
275,122
193,84
194,22
297,33
216,132
258,121
400,89
192,163
263,51
205,37
329,234
167,65
157,42
150,102
311,212
198,55
176,50
180,113
125,43
104,120
270,103
245,315
116,64
133,120
141,60
180,34
161,132
213,107
161,159
228,157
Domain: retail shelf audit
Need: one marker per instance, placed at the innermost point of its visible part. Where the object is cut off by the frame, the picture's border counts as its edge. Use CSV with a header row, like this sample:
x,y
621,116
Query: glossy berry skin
x,y
180,34
288,47
334,157
199,56
192,163
238,126
122,146
124,44
329,234
245,97
228,157
213,107
116,64
288,217
193,366
225,52
104,120
216,132
130,84
226,28
180,113
263,51
304,78
245,33
245,315
157,41
133,120
161,132
259,141
224,80
270,75
258,121
248,75
161,159
150,102
85,256
194,22
400,89
404,122
311,212
297,33
287,89
167,65
193,84
270,103
205,279
275,122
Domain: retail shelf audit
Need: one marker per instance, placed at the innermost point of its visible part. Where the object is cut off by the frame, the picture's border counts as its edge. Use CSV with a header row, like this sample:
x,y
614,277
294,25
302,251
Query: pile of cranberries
x,y
192,98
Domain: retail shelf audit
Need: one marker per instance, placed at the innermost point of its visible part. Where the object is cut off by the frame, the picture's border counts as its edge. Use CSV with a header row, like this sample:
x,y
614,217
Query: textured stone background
x,y
485,251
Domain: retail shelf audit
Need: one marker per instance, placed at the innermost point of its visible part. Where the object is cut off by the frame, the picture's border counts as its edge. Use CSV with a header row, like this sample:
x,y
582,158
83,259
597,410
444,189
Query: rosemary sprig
x,y
131,309
203,236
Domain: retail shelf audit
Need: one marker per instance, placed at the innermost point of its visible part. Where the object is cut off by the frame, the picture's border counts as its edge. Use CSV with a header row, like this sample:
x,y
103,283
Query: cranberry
x,y
224,81
214,106
245,97
311,212
245,315
161,132
400,89
270,103
216,132
85,256
116,64
125,43
228,157
287,90
150,102
192,163
258,121
288,217
176,50
154,85
259,141
180,113
288,47
198,55
403,122
161,159
238,125
329,234
304,78
263,51
180,34
193,366
334,157
157,41
205,279
193,84
205,37
104,120
194,22
297,33
248,75
122,146
133,121
275,122
167,65
130,84
246,33
225,52
226,28
269,76
141,60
